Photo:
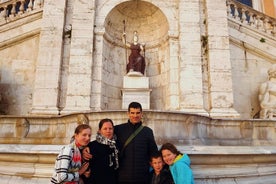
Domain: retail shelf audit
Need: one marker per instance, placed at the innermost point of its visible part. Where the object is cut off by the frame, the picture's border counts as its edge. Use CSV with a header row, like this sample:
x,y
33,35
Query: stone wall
x,y
17,76
19,51
249,61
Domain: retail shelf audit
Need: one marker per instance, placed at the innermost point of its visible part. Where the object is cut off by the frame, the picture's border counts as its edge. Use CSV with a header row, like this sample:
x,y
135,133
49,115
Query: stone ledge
x,y
209,163
26,170
30,148
226,150
192,150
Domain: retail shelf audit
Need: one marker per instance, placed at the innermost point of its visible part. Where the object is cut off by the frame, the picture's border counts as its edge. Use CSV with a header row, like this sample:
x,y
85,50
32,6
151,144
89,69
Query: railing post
x,y
258,22
3,14
229,13
30,6
273,28
265,22
236,12
38,4
21,8
251,18
12,14
243,16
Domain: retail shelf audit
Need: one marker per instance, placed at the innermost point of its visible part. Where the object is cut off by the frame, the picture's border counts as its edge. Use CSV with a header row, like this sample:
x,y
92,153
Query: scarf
x,y
76,161
113,157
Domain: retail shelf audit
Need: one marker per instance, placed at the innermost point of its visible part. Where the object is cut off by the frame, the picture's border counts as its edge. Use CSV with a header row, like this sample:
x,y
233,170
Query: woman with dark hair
x,y
179,164
104,162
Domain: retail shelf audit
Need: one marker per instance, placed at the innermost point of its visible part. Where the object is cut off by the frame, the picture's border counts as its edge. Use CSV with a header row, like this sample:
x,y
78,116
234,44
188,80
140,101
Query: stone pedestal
x,y
136,88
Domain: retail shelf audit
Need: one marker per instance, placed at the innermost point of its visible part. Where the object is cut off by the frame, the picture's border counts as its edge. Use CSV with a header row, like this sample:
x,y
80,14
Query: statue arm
x,y
142,46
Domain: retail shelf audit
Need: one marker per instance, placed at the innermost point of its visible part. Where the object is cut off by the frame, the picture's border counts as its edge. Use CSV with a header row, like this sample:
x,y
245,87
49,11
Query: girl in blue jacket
x,y
179,164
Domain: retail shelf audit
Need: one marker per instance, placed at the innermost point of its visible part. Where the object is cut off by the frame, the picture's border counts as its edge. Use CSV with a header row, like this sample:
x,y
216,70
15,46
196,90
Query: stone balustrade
x,y
247,15
175,127
11,10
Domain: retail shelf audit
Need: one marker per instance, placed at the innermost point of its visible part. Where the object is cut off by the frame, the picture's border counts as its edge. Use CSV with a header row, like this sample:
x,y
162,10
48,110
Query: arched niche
x,y
141,16
153,28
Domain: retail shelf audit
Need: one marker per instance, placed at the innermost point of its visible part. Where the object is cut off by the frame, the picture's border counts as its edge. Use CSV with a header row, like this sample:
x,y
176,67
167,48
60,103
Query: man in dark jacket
x,y
135,156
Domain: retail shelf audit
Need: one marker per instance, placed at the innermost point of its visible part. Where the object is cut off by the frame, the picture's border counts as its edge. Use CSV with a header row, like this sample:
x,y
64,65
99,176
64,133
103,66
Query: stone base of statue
x,y
136,89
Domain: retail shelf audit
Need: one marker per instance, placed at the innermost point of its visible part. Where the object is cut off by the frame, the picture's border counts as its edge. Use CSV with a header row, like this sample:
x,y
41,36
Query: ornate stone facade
x,y
64,57
205,62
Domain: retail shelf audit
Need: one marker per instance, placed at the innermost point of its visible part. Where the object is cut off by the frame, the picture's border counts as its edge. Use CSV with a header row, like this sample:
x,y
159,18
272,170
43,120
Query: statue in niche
x,y
267,95
136,62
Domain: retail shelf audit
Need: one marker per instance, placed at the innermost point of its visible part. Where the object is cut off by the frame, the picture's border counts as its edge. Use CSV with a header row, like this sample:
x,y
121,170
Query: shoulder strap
x,y
129,139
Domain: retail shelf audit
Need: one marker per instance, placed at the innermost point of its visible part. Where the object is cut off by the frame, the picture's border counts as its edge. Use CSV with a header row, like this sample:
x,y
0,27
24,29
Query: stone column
x,y
173,73
81,58
46,86
190,67
220,72
96,92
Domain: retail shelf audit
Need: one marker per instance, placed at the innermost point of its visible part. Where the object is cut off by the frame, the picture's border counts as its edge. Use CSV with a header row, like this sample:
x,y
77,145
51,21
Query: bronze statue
x,y
136,62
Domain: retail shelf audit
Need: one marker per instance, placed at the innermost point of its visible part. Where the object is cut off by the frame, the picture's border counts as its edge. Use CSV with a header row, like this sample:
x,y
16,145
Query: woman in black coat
x,y
104,162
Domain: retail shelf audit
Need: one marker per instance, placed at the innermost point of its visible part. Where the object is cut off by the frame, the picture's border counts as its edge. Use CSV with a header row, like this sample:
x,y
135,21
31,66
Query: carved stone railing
x,y
174,127
246,15
11,10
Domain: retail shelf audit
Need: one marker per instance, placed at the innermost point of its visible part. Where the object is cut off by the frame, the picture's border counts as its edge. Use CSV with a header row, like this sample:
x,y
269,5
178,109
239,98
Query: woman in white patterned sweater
x,y
68,166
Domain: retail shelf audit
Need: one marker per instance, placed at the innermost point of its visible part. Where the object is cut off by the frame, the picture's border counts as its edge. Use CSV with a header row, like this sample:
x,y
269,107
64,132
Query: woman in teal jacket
x,y
179,164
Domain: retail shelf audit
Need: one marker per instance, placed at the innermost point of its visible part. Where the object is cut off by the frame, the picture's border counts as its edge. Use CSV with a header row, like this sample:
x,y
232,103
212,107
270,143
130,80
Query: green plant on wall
x,y
262,40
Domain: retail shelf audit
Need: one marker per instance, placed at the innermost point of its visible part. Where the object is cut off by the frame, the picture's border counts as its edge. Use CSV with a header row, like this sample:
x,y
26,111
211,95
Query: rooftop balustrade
x,y
246,15
11,10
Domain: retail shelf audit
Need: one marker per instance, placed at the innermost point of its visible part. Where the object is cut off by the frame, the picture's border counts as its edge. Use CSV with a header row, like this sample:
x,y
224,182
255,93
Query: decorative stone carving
x,y
82,119
267,95
22,128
